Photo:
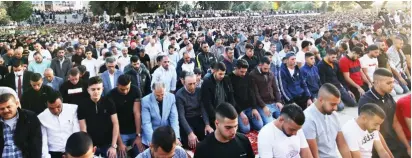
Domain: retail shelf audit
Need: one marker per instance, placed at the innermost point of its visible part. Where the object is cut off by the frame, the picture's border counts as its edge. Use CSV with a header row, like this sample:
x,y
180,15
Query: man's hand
x,y
111,152
266,111
208,129
255,114
351,95
409,150
192,142
309,102
139,144
279,105
244,118
122,150
403,81
361,91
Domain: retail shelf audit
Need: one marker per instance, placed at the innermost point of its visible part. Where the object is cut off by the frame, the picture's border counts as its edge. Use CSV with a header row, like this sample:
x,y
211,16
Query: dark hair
x,y
74,71
331,89
159,58
219,66
331,52
268,54
226,110
53,96
82,68
344,46
249,46
227,49
308,55
382,72
241,63
5,97
134,59
124,80
164,137
357,50
294,39
305,44
17,63
265,60
198,71
372,109
78,144
35,77
171,46
35,53
95,80
373,47
294,112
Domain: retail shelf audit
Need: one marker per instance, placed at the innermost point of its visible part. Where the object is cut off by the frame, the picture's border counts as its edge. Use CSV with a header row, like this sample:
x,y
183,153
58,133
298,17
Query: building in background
x,y
59,5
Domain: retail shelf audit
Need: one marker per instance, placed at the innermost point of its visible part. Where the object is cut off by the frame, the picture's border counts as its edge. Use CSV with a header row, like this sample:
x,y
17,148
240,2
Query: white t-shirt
x,y
269,143
358,139
90,66
370,63
300,57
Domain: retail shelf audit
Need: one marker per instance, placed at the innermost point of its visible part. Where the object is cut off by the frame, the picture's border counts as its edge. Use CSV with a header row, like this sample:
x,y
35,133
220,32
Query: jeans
x,y
128,140
256,123
102,151
404,87
346,99
273,110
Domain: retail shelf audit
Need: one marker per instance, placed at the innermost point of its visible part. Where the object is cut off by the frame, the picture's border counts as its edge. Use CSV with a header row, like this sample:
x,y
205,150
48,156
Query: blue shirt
x,y
39,67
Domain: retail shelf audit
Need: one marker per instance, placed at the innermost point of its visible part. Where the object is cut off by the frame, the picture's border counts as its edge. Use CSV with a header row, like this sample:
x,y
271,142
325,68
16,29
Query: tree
x,y
113,7
365,4
4,18
186,8
214,5
238,7
18,10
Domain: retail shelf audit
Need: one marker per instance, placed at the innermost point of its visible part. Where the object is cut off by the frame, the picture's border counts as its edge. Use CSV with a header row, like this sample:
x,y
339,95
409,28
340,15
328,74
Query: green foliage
x,y
293,5
365,4
260,5
18,10
113,7
4,18
214,5
186,8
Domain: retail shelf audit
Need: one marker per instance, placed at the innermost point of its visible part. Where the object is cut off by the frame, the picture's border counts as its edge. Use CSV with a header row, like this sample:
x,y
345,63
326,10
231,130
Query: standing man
x,y
19,79
139,76
159,109
204,58
322,129
58,122
97,116
194,121
362,133
225,142
51,80
39,65
369,63
165,74
285,129
74,89
300,56
20,129
126,98
215,90
383,83
35,98
110,76
310,75
61,65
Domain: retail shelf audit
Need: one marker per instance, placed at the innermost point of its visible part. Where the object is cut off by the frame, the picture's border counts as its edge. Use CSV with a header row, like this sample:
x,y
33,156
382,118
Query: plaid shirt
x,y
10,149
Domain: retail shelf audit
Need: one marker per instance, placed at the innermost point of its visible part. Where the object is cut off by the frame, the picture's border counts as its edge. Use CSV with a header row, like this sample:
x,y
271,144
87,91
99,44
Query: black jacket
x,y
208,94
27,135
145,80
205,60
327,74
9,81
36,101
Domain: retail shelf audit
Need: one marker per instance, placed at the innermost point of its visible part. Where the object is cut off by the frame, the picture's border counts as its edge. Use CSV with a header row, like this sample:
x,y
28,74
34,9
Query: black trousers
x,y
56,154
299,100
356,92
198,128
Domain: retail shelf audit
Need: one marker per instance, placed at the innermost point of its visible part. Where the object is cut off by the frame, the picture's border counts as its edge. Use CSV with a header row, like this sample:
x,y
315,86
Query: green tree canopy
x,y
186,8
214,5
113,7
18,10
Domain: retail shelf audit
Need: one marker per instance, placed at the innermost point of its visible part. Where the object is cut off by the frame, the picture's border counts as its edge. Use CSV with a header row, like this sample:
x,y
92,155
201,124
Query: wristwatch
x,y
114,146
139,135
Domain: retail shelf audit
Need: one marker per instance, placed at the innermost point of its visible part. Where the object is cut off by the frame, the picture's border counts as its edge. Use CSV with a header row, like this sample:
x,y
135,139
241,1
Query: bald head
x,y
49,74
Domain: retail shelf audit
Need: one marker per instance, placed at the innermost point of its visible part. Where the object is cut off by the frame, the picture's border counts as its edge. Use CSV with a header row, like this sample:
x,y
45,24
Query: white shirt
x,y
266,45
123,61
191,53
300,57
371,64
269,144
152,51
168,77
57,129
91,66
111,78
358,139
188,67
16,79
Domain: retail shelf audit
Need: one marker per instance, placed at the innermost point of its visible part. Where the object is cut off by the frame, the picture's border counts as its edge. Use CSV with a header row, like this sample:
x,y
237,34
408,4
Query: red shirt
x,y
403,110
353,67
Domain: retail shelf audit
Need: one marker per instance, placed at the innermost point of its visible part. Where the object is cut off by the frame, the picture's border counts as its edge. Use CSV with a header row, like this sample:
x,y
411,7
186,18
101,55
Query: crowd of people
x,y
165,90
